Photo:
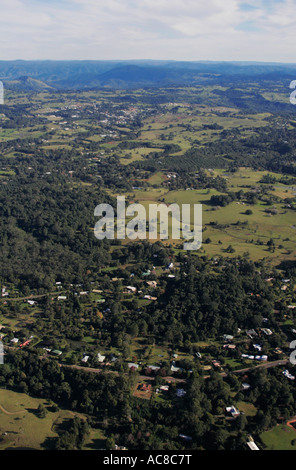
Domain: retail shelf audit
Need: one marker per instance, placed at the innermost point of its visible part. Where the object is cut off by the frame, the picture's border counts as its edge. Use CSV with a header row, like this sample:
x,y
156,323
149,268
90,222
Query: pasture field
x,y
281,437
22,428
198,123
246,227
138,154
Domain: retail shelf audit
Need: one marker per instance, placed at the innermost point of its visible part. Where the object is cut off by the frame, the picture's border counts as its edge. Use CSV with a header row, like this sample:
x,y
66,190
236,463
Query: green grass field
x,y
281,437
231,225
21,428
248,408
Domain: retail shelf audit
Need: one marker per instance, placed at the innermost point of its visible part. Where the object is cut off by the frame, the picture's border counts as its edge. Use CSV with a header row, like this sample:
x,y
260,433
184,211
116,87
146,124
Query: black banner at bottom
x,y
142,459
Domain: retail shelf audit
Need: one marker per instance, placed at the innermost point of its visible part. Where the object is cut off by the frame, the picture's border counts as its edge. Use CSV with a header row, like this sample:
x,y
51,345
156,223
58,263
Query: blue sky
x,y
261,30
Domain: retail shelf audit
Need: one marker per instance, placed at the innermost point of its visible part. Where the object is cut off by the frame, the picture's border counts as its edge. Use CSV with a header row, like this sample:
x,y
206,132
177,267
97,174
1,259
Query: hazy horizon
x,y
246,62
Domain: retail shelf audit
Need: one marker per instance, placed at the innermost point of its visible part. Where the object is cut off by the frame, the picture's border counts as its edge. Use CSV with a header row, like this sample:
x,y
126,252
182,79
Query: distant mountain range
x,y
75,75
27,84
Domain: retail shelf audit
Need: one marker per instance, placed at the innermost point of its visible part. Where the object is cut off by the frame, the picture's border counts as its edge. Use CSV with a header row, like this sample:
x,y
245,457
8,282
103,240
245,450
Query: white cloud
x,y
160,29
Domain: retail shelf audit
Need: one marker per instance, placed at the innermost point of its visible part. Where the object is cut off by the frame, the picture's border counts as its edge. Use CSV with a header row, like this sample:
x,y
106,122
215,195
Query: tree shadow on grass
x,y
97,444
33,411
49,443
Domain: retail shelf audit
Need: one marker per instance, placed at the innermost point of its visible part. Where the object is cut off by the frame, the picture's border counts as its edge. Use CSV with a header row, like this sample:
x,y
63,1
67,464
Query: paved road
x,y
265,365
141,377
37,296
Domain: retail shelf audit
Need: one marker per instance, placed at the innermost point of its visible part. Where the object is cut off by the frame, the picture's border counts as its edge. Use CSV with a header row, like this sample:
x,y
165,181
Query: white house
x,y
232,410
134,366
252,445
101,358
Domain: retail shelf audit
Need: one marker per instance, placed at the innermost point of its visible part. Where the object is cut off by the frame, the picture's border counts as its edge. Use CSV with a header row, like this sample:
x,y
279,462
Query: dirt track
x,y
9,413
